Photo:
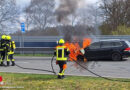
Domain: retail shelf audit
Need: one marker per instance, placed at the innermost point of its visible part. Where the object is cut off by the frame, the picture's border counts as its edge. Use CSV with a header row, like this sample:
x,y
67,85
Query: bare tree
x,y
29,21
40,12
116,12
86,17
8,13
73,19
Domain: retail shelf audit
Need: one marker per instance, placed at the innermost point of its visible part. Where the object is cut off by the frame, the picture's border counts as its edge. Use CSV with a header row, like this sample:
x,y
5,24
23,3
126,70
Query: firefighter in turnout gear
x,y
2,49
7,50
61,54
10,53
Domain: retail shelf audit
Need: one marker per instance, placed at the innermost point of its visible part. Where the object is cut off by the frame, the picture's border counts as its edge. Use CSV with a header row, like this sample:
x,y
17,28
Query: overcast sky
x,y
23,3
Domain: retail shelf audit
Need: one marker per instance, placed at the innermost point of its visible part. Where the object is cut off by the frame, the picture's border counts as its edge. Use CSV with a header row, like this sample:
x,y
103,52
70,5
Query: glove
x,y
56,62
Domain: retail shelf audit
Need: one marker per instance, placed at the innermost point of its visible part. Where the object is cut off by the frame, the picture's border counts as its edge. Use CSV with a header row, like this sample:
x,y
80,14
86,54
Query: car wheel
x,y
80,58
116,56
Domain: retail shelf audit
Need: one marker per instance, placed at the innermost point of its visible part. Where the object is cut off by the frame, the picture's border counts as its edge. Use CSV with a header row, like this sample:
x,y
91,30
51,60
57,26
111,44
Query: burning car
x,y
108,49
77,50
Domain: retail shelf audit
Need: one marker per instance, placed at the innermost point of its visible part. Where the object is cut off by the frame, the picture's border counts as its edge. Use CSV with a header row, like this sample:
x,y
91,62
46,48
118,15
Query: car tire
x,y
80,58
116,56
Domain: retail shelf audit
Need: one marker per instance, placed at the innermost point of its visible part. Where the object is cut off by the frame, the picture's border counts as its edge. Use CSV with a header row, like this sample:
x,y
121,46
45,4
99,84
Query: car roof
x,y
111,40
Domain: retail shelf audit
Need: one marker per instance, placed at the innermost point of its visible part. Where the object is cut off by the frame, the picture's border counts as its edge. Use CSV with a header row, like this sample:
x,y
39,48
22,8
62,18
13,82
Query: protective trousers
x,y
12,59
3,54
63,66
3,57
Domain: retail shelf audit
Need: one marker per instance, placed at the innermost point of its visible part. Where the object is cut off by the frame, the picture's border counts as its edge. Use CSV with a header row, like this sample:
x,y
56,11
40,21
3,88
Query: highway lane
x,y
115,69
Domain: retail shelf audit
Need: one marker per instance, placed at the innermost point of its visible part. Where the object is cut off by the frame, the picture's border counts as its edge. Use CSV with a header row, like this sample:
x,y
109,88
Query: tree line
x,y
45,17
117,17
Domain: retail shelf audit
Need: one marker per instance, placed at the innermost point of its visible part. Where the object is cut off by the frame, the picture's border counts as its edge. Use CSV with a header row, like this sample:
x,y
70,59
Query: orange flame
x,y
75,48
86,42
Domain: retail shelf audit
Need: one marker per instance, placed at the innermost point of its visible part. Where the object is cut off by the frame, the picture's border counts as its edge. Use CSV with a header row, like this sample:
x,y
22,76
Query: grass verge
x,y
50,82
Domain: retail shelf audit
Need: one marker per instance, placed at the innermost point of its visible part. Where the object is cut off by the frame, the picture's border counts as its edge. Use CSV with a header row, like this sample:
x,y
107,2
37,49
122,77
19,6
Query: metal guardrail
x,y
50,41
55,38
47,39
34,50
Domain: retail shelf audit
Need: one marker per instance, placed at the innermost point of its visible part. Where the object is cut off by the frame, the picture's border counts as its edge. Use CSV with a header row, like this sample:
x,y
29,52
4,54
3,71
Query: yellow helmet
x,y
8,37
3,37
61,41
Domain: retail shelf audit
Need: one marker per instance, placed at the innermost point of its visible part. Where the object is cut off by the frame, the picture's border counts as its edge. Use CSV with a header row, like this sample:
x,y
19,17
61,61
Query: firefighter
x,y
61,54
3,53
10,54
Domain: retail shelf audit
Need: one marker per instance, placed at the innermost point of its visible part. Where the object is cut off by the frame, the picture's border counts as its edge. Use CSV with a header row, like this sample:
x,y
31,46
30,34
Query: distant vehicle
x,y
108,49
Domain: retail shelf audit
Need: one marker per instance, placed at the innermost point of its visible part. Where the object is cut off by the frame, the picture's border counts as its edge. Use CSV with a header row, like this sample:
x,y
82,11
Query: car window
x,y
128,43
106,44
95,45
117,44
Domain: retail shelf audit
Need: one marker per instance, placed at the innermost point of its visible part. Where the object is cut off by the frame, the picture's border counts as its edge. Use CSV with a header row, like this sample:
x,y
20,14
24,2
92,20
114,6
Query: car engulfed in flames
x,y
77,51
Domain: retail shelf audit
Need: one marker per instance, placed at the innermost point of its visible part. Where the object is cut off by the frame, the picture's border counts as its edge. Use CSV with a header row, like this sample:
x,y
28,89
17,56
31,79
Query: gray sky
x,y
23,3
92,1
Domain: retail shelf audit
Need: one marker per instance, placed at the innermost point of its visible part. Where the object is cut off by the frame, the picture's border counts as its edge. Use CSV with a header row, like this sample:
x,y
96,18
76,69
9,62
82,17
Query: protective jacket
x,y
61,53
1,48
2,45
12,47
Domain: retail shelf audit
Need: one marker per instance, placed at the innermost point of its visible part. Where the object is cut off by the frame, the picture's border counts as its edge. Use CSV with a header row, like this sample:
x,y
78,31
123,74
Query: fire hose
x,y
98,74
89,71
53,71
41,69
6,51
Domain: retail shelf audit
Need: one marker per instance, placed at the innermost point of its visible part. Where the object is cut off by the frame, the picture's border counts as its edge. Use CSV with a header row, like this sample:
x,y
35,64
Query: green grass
x,y
50,82
37,55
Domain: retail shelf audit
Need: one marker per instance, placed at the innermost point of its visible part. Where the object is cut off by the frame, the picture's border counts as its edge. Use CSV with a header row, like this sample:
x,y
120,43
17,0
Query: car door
x,y
106,49
91,52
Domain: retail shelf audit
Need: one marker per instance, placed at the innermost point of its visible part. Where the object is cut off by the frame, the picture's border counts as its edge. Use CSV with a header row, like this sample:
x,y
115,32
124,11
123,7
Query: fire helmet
x,y
61,41
3,37
8,37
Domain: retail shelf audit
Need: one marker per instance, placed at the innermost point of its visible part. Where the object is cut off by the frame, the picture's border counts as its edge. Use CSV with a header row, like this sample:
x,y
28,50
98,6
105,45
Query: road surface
x,y
115,69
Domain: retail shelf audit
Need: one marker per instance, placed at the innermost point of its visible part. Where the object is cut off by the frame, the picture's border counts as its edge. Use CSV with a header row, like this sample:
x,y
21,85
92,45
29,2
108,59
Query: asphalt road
x,y
115,69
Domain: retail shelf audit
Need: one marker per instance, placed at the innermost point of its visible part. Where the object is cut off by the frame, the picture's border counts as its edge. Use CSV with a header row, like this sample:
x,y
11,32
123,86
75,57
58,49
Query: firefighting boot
x,y
63,76
13,63
8,63
2,64
59,77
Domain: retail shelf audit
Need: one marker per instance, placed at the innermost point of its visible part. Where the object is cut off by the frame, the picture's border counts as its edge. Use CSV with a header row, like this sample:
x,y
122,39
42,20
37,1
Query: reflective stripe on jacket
x,y
61,53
